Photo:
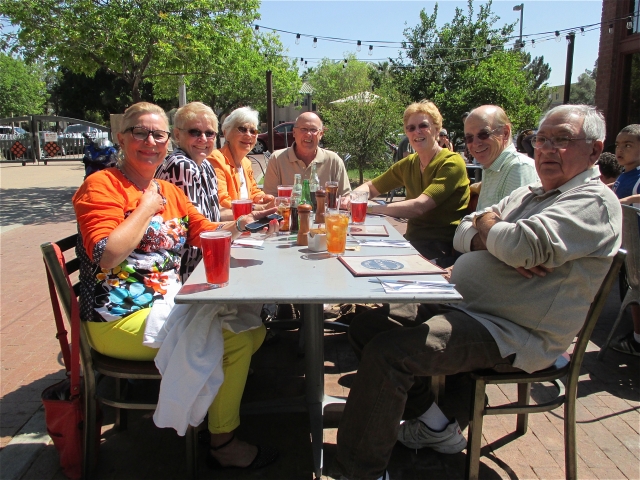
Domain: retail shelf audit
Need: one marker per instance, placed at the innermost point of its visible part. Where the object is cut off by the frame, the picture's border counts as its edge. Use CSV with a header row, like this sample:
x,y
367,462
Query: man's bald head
x,y
492,123
308,117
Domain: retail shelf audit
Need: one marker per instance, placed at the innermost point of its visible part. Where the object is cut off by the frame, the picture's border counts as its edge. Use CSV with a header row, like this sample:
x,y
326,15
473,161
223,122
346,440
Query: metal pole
x,y
521,17
571,38
182,92
270,111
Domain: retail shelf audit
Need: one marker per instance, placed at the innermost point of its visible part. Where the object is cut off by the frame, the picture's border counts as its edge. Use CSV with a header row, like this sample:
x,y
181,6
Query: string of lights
x,y
531,39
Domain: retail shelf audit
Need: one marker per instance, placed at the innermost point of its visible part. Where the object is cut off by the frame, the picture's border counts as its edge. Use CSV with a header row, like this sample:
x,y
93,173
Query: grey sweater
x,y
574,229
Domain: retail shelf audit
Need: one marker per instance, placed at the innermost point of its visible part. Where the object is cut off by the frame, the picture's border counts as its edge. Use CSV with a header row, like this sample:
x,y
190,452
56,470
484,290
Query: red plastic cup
x,y
241,207
285,190
216,255
358,212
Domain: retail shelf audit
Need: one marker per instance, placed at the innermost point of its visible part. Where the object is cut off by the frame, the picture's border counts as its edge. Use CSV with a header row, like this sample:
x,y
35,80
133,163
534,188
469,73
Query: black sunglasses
x,y
142,133
250,131
195,133
484,135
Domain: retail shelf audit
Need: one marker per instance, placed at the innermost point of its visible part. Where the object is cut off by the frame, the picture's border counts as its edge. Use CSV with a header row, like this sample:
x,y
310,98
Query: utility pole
x,y
270,111
571,39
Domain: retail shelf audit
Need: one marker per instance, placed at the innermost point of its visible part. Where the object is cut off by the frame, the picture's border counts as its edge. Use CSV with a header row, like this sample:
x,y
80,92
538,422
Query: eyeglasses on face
x,y
484,135
442,135
412,128
312,131
142,133
195,133
539,141
247,130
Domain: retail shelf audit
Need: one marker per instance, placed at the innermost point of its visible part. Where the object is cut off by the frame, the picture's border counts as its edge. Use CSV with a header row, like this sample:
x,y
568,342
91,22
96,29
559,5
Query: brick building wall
x,y
613,49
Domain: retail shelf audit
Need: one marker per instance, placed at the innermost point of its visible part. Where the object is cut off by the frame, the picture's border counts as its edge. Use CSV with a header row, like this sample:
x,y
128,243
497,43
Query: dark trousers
x,y
440,253
400,348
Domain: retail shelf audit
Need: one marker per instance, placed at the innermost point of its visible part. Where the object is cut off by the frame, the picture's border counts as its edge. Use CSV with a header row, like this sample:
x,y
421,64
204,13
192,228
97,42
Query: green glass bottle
x,y
306,193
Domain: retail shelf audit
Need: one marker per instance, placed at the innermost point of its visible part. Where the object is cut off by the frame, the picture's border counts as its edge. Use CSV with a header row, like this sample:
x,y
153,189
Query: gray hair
x,y
239,116
594,126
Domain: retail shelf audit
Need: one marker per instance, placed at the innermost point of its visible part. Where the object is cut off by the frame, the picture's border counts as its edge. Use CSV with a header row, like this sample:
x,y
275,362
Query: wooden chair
x,y
92,362
567,365
631,243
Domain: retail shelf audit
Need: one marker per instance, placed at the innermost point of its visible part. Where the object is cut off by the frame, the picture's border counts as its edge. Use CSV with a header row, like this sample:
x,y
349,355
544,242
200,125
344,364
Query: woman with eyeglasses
x,y
132,230
436,183
233,168
195,128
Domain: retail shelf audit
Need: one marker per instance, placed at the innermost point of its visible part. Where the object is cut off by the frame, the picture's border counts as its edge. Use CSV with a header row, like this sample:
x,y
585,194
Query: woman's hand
x,y
152,202
274,225
264,203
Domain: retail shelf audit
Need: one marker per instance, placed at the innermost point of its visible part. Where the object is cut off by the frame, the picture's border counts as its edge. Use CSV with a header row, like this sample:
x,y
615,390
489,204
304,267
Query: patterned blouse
x,y
201,187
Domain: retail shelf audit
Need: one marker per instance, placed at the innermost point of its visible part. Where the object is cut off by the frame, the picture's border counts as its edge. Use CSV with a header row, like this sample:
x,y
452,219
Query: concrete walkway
x,y
35,208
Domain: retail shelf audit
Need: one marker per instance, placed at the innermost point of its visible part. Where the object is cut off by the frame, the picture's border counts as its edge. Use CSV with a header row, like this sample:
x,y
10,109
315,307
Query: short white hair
x,y
239,116
594,126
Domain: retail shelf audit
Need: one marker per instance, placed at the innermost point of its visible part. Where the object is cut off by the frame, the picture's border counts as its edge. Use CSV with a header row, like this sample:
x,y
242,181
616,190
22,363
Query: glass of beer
x,y
285,190
241,207
216,255
337,225
283,204
359,207
332,194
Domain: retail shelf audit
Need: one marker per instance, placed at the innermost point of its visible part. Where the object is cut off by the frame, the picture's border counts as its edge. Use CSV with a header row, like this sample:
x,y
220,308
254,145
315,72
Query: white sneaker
x,y
415,434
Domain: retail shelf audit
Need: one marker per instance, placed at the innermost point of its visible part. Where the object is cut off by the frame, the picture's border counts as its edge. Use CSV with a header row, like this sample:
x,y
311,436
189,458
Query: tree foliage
x,y
451,66
333,80
360,127
146,40
22,88
238,77
584,92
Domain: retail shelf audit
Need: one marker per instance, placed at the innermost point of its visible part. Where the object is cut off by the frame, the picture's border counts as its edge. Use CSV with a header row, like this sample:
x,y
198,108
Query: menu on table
x,y
368,266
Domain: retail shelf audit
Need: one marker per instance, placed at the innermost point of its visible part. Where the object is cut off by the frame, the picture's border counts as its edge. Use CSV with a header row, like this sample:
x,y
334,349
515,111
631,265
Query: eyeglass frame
x,y
248,131
191,132
553,141
473,137
421,126
150,132
312,131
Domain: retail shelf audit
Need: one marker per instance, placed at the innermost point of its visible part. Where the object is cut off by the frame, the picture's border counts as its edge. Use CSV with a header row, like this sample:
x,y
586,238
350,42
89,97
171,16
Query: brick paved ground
x,y
35,209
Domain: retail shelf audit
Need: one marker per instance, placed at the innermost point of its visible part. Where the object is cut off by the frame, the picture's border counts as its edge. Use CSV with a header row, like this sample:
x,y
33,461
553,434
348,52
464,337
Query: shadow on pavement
x,y
30,206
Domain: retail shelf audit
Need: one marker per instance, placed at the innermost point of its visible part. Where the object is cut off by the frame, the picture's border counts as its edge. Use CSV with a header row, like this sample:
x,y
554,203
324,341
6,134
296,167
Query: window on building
x,y
636,16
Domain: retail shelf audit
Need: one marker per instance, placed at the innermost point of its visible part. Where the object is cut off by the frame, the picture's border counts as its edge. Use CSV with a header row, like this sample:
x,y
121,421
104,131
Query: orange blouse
x,y
229,179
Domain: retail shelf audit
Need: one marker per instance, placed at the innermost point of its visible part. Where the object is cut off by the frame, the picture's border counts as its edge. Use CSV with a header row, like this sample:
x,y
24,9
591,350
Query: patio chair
x,y
631,243
566,365
92,362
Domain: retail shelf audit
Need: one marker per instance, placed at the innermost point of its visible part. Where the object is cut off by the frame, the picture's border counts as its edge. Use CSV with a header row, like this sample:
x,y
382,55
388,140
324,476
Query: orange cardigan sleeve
x,y
227,183
103,200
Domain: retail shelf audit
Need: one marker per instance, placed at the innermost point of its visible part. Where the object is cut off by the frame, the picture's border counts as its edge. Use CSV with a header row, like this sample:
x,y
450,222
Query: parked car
x,y
282,138
8,136
9,130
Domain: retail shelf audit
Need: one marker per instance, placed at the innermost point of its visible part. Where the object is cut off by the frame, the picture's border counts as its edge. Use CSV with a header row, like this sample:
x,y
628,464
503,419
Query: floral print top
x,y
104,201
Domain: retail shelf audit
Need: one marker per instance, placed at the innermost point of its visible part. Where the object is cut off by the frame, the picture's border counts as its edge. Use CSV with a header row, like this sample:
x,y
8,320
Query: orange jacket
x,y
229,178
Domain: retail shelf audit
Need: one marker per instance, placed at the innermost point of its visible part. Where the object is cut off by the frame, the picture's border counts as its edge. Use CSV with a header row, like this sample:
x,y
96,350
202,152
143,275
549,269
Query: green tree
x,y
333,80
22,88
135,41
584,92
452,66
360,127
238,77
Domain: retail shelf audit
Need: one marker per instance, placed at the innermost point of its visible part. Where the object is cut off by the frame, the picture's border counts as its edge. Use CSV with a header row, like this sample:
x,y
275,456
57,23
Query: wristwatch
x,y
474,221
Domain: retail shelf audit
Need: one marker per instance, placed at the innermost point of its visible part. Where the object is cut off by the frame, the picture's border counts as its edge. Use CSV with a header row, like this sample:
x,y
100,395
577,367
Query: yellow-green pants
x,y
123,339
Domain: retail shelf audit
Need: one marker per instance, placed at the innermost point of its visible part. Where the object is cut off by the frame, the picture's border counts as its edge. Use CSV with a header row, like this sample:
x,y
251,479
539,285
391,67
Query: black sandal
x,y
265,456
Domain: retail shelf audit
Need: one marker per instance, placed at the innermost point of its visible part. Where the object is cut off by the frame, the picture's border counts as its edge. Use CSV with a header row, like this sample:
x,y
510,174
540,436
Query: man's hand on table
x,y
447,274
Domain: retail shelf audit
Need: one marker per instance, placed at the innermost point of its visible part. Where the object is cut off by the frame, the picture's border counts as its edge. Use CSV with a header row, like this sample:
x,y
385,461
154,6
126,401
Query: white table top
x,y
283,272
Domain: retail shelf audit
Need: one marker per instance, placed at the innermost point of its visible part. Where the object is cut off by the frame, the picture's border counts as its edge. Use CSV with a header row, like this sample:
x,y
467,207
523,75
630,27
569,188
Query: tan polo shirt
x,y
284,164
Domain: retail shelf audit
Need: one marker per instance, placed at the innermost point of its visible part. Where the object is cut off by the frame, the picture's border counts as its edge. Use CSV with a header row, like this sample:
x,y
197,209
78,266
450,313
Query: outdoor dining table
x,y
282,272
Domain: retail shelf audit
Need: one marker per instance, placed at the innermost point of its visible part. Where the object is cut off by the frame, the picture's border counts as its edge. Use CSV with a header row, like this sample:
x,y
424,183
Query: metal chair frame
x,y
567,365
92,362
631,243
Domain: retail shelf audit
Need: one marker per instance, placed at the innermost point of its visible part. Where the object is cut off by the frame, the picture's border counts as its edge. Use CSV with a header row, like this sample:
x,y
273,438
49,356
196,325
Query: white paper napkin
x,y
247,242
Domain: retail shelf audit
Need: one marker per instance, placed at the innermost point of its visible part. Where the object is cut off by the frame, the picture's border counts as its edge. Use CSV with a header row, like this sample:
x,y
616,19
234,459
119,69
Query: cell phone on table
x,y
263,222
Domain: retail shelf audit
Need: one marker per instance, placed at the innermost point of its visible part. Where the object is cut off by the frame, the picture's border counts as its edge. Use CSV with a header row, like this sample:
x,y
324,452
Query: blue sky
x,y
386,20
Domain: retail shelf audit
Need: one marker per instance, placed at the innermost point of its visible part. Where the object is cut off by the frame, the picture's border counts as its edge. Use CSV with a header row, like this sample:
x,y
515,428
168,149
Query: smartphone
x,y
263,222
